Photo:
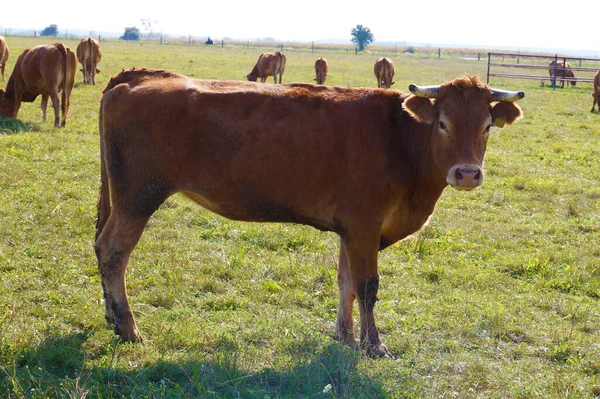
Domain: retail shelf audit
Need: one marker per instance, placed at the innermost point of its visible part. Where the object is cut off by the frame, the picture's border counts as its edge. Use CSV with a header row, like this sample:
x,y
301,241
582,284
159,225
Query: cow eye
x,y
487,129
443,126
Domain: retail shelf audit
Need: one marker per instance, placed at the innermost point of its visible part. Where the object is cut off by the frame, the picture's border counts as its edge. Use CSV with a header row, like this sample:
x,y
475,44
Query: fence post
x,y
478,56
34,34
355,50
312,50
222,43
439,53
488,72
189,40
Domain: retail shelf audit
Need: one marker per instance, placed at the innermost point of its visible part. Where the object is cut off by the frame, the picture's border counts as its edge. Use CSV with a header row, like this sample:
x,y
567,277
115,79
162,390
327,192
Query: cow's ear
x,y
420,108
505,112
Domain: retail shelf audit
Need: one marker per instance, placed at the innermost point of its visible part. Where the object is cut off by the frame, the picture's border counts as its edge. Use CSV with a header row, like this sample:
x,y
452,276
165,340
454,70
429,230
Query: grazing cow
x,y
321,69
3,55
596,92
268,64
561,72
89,55
364,163
384,72
46,70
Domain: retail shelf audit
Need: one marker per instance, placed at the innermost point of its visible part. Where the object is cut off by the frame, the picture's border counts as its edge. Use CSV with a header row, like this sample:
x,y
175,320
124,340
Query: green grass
x,y
497,298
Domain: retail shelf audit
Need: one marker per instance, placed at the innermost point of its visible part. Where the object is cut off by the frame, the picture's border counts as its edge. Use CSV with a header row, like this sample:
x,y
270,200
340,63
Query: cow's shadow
x,y
59,365
15,126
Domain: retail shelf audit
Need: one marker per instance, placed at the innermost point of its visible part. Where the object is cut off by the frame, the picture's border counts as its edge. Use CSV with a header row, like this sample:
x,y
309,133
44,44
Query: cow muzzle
x,y
465,176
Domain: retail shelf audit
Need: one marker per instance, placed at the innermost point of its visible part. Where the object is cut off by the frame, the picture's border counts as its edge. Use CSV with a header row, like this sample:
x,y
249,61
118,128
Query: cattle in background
x,y
384,72
3,55
46,70
321,69
364,163
561,72
596,92
89,55
268,64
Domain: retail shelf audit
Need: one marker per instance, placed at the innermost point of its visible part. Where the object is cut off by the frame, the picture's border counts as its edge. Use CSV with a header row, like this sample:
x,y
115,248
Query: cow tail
x,y
103,205
65,54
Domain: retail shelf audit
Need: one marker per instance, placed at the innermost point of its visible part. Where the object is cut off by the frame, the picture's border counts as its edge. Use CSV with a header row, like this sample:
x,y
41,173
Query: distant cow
x,y
561,72
3,55
364,163
268,64
321,69
384,72
46,70
596,92
89,55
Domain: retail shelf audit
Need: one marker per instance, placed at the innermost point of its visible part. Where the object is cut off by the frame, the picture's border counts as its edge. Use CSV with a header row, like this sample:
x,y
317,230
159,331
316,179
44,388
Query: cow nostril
x,y
458,175
478,175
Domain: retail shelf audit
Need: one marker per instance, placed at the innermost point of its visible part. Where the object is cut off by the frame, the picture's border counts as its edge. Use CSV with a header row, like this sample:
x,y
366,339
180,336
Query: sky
x,y
506,23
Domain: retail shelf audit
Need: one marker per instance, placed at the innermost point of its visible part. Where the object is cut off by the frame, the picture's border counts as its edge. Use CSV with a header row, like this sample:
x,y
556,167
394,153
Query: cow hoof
x,y
134,336
379,352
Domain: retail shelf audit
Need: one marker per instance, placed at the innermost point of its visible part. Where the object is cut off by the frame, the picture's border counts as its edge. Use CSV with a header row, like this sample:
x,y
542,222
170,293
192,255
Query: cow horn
x,y
510,96
425,91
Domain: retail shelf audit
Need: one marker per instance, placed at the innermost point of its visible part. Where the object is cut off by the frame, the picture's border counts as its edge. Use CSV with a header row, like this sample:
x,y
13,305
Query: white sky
x,y
519,23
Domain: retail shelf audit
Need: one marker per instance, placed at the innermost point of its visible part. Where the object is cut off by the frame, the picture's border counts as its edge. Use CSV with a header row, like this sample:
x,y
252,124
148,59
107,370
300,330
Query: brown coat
x,y
384,72
3,55
89,55
364,163
268,64
596,92
46,70
321,69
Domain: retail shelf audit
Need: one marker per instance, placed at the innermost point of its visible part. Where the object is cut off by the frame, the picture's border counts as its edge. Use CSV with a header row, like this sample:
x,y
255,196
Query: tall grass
x,y
497,298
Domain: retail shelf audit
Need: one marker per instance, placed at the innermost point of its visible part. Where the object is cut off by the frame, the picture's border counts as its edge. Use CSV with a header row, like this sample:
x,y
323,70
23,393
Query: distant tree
x,y
51,30
149,26
132,33
362,36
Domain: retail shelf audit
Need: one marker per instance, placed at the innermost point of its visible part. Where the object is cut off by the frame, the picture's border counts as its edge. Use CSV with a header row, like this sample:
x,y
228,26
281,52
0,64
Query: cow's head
x,y
462,113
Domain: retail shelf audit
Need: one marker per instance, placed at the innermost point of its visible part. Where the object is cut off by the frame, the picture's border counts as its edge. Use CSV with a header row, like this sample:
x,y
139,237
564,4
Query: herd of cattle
x,y
364,163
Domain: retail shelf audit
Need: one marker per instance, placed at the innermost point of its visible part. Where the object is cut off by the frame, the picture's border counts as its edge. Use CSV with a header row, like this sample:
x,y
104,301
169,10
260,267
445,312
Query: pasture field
x,y
498,297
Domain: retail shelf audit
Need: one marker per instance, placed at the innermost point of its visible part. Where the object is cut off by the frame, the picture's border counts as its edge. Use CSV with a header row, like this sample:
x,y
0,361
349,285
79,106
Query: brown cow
x,y
561,72
321,69
89,55
364,163
3,55
46,70
384,72
268,64
596,92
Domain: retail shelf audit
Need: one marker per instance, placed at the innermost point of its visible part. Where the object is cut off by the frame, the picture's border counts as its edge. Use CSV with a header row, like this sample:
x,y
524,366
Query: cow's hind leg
x,y
344,328
113,249
56,106
44,105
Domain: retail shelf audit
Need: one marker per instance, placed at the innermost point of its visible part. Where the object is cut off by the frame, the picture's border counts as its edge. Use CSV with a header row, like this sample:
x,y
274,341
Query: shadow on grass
x,y
14,126
59,367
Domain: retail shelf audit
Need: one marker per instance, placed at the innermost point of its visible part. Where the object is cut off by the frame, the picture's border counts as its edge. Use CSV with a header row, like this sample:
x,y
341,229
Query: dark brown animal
x,y
384,72
364,163
268,64
562,72
3,55
46,70
596,92
321,69
89,55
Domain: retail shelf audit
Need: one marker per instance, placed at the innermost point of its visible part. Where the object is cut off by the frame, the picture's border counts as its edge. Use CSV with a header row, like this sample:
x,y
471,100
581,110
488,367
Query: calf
x,y
3,55
384,72
596,92
89,55
321,69
268,64
46,70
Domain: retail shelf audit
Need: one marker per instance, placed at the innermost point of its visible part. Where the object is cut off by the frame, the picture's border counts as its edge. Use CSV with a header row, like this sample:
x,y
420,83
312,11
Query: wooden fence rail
x,y
499,65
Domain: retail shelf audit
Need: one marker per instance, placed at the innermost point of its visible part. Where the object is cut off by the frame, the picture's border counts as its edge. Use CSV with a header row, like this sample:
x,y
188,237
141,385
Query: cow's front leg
x,y
362,250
